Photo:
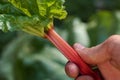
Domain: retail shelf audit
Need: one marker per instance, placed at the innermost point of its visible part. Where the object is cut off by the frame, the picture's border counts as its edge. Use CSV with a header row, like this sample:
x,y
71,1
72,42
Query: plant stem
x,y
70,53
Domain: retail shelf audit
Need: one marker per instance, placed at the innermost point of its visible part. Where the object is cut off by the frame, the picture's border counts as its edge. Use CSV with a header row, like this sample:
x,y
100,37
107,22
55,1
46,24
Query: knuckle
x,y
113,42
115,39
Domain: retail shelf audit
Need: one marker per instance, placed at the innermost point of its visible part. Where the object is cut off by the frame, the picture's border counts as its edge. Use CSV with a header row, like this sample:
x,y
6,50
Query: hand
x,y
106,56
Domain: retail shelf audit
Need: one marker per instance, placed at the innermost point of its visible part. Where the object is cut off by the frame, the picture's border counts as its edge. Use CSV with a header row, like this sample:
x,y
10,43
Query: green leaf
x,y
44,8
7,8
32,16
51,8
28,24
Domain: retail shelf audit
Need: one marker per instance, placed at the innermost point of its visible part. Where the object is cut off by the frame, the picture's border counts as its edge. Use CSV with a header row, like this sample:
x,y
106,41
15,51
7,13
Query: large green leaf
x,y
29,24
32,16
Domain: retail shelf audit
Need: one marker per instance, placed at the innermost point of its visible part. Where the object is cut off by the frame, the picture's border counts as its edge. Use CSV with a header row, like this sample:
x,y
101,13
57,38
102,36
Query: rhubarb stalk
x,y
70,53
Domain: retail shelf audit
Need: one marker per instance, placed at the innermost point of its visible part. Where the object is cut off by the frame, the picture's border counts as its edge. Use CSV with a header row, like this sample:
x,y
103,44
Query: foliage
x,y
30,16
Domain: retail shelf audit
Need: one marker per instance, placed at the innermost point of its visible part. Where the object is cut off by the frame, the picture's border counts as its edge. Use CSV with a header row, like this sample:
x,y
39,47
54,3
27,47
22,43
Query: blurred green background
x,y
27,57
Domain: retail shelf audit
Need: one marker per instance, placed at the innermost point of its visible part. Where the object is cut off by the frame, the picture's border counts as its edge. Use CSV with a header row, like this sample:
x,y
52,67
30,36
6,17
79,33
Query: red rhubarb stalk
x,y
70,53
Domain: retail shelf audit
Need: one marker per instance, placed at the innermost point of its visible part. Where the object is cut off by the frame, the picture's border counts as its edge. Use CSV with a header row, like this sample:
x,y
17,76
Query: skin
x,y
105,55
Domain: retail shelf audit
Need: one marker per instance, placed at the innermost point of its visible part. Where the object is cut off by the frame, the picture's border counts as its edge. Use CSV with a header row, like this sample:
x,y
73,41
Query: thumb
x,y
93,55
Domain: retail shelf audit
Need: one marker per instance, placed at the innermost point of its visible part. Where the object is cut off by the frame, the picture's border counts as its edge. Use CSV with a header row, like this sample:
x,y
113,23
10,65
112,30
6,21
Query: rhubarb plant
x,y
36,17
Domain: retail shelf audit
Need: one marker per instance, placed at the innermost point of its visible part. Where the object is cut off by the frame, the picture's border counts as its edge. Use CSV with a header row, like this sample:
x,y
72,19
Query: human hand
x,y
106,56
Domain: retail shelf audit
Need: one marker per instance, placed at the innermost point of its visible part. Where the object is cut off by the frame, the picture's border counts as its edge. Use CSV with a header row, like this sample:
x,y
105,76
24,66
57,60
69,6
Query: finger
x,y
84,78
71,70
94,55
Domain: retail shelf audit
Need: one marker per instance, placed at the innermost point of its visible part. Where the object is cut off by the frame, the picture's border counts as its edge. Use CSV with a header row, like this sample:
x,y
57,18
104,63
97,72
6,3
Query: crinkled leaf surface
x,y
32,16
